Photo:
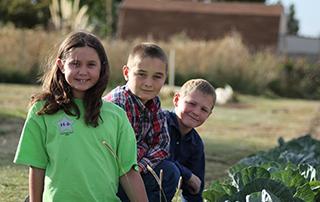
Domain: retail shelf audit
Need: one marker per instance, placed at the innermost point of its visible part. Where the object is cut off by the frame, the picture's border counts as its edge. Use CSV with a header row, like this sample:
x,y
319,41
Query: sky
x,y
307,12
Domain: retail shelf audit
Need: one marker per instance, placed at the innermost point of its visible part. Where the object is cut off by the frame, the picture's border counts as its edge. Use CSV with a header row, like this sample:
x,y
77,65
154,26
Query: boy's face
x,y
193,109
145,77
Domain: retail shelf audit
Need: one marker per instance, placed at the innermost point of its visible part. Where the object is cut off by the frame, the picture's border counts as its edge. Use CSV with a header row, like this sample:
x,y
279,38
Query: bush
x,y
224,61
21,52
297,79
14,76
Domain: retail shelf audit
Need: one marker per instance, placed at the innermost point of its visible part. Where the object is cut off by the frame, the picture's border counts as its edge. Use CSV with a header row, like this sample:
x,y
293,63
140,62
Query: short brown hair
x,y
201,85
147,49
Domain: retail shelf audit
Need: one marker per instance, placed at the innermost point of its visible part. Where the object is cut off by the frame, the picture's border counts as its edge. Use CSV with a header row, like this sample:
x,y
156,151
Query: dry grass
x,y
221,61
24,49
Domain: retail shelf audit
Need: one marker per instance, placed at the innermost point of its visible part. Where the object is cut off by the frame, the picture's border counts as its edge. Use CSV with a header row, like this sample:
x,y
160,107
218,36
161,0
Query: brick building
x,y
259,25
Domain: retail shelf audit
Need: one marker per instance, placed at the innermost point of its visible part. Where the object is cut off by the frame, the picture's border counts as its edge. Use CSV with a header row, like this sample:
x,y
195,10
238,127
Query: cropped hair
x,y
148,49
201,85
57,93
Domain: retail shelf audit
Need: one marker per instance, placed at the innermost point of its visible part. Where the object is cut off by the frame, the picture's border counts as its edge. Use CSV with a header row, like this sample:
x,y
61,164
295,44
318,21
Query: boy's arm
x,y
185,172
197,168
36,183
193,175
159,143
133,186
194,184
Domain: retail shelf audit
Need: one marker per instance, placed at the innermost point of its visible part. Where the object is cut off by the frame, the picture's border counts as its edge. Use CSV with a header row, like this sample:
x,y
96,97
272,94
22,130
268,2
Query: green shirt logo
x,y
65,126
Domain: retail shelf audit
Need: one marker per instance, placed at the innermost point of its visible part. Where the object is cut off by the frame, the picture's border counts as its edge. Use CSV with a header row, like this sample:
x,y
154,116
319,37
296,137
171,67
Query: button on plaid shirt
x,y
149,124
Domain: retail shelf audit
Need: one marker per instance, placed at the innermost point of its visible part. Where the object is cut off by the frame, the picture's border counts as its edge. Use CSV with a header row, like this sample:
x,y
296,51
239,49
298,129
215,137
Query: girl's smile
x,y
81,69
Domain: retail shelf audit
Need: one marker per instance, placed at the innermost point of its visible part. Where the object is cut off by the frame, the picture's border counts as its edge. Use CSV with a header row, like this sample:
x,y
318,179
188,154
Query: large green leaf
x,y
273,187
305,193
272,166
236,168
249,174
315,186
289,177
218,190
262,196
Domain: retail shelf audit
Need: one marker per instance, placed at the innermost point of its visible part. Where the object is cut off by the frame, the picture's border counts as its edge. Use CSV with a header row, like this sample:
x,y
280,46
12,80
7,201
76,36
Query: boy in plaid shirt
x,y
145,73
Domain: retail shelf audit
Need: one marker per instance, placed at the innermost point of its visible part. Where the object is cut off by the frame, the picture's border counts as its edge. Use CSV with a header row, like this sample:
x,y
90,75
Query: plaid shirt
x,y
149,124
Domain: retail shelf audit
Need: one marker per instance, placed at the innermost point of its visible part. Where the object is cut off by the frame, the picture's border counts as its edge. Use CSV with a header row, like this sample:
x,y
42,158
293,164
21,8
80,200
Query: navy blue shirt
x,y
188,154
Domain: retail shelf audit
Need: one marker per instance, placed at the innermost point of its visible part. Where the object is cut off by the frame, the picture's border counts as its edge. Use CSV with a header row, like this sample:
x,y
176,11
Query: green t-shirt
x,y
82,163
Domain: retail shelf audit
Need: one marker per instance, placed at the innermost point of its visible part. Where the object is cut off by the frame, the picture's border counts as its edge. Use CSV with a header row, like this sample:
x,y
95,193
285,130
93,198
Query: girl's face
x,y
81,69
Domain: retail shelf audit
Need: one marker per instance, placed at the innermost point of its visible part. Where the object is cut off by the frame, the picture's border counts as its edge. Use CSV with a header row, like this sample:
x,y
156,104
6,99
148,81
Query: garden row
x,y
289,172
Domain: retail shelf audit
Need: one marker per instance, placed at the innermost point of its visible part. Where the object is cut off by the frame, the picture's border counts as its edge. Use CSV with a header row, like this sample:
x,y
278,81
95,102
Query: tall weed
x,y
21,53
224,61
297,79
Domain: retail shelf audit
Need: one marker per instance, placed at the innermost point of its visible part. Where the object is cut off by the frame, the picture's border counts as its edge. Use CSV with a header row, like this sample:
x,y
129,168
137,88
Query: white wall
x,y
299,45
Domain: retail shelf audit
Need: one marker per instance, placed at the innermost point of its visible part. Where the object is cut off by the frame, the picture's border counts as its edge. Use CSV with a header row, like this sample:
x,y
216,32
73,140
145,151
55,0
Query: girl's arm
x,y
36,184
133,185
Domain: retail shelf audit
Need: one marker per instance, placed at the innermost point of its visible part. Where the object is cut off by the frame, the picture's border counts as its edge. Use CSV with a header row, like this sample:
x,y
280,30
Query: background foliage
x,y
103,14
292,21
25,13
34,13
226,61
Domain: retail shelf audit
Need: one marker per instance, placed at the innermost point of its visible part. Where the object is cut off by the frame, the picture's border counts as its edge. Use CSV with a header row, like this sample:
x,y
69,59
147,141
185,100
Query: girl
x,y
77,146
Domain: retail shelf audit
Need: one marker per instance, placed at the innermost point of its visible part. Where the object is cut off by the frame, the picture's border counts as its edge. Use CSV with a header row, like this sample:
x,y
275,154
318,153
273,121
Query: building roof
x,y
259,25
230,8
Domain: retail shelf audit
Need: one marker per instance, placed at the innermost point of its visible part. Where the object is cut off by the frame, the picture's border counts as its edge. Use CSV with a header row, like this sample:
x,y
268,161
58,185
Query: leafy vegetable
x,y
287,173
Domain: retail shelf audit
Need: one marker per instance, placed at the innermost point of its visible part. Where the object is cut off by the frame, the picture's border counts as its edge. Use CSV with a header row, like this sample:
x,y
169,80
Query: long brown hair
x,y
57,92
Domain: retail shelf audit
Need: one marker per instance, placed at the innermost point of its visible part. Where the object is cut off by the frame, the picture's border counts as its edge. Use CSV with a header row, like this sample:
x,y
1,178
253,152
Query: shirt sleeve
x,y
185,172
127,135
127,151
159,143
197,168
31,149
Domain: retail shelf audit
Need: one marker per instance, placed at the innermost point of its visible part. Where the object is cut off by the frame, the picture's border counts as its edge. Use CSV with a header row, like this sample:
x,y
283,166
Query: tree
x,y
292,22
24,13
103,15
68,15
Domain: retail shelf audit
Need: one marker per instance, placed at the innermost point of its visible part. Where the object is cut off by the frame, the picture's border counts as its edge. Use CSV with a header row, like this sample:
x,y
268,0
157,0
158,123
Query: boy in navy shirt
x,y
193,105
